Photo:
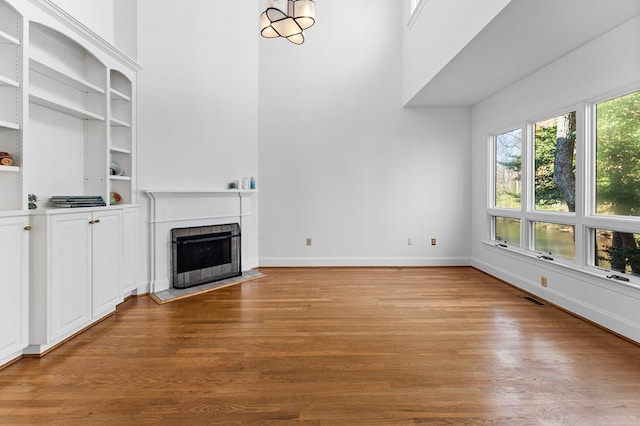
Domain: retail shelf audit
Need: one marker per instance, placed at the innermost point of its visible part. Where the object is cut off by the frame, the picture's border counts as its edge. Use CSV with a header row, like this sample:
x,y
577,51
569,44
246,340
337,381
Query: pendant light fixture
x,y
288,19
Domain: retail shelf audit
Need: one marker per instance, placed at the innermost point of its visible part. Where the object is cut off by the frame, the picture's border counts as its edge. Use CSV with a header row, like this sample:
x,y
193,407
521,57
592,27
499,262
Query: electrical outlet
x,y
409,242
433,241
309,241
543,281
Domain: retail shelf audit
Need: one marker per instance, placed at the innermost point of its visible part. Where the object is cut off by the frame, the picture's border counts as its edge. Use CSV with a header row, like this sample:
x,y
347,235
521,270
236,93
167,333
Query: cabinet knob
x,y
27,228
96,221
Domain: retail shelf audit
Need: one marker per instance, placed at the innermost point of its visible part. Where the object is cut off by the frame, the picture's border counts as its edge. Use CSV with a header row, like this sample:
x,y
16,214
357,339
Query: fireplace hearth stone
x,y
173,294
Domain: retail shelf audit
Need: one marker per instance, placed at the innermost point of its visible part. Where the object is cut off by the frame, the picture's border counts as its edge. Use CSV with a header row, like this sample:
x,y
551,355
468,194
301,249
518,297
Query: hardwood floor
x,y
441,346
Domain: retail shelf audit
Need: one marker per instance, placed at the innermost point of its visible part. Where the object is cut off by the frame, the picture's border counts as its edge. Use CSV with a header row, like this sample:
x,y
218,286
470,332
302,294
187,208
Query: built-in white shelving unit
x,y
11,108
14,239
67,108
67,111
121,137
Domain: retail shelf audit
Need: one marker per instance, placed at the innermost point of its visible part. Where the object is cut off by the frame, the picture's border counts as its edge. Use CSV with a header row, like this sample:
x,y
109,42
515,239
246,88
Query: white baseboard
x,y
595,314
365,261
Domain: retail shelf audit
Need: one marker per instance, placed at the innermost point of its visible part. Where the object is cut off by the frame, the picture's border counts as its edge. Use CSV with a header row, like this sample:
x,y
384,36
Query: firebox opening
x,y
205,254
199,252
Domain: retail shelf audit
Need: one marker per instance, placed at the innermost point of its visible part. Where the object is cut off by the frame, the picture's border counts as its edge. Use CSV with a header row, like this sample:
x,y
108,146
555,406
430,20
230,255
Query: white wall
x,y
606,64
197,96
113,20
126,26
97,15
343,163
198,93
437,34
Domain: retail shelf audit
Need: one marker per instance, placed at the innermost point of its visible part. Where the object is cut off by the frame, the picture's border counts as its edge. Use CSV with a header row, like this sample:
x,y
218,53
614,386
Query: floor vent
x,y
532,300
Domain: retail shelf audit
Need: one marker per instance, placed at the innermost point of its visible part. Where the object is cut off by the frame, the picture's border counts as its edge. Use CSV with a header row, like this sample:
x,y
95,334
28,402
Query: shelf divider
x,y
9,168
6,81
11,39
120,150
119,95
120,123
9,125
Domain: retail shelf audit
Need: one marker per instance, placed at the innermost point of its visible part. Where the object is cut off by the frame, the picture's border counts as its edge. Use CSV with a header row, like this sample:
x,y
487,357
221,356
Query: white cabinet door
x,y
106,253
14,303
70,266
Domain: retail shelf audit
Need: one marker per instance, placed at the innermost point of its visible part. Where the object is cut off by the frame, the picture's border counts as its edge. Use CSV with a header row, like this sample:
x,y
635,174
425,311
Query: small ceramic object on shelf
x,y
33,199
115,169
5,159
114,198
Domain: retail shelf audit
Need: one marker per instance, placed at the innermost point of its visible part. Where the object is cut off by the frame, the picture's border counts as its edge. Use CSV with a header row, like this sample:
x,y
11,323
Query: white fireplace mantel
x,y
180,208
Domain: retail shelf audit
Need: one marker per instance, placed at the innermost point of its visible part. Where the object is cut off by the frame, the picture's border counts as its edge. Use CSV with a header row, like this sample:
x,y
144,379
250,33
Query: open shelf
x,y
9,125
115,177
62,107
9,168
11,39
119,96
116,122
62,77
6,81
120,150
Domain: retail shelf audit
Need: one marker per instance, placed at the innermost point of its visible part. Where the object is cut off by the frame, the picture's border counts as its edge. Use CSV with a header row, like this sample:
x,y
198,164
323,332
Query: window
x,y
617,251
508,162
553,239
555,163
507,230
618,156
567,189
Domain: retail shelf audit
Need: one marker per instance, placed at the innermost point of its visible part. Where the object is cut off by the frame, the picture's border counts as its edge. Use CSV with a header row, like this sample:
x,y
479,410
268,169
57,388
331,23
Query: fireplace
x,y
204,254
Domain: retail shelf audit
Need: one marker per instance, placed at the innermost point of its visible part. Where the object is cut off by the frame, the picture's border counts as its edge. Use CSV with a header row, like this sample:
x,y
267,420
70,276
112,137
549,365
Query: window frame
x,y
584,220
495,211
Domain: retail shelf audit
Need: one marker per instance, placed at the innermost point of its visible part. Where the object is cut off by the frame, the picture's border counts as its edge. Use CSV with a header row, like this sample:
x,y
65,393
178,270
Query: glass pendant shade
x,y
266,30
287,18
286,27
304,12
296,38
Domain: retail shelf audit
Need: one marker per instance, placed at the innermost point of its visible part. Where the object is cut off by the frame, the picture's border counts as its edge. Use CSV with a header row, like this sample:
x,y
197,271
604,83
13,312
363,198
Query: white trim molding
x,y
365,261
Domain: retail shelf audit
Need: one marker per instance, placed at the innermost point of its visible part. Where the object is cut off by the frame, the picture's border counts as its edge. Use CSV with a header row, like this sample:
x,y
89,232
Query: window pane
x,y
618,251
555,239
555,166
507,229
618,156
508,165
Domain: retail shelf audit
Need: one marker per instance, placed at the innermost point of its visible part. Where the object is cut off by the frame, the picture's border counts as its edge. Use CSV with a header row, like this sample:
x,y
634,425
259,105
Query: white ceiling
x,y
524,37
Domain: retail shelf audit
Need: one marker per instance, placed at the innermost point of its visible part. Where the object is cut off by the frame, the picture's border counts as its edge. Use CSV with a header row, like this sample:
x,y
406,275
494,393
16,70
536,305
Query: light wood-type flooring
x,y
325,346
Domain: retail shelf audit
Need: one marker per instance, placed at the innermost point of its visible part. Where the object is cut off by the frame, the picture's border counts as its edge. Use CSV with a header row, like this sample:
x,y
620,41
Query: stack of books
x,y
77,201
